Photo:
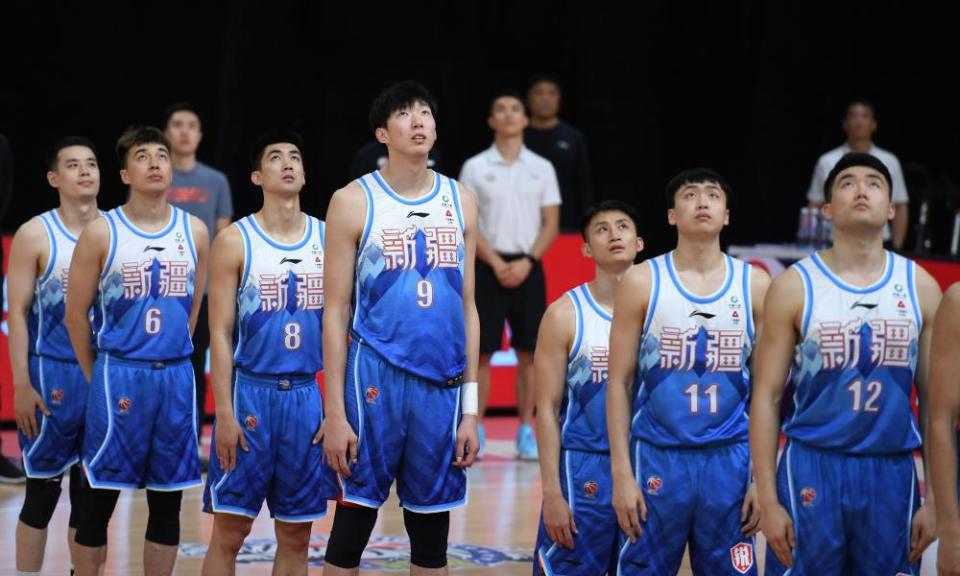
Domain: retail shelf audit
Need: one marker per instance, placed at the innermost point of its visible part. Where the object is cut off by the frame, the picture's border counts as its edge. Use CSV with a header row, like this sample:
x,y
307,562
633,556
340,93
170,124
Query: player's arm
x,y
28,256
759,284
468,441
345,219
85,268
629,313
201,240
550,362
923,530
226,266
781,318
944,410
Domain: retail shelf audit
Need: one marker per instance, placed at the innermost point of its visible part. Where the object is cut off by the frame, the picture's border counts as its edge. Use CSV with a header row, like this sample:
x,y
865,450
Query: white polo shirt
x,y
510,196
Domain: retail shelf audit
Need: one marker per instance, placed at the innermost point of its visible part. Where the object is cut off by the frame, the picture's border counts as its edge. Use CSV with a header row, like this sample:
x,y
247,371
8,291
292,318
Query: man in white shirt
x,y
860,124
519,200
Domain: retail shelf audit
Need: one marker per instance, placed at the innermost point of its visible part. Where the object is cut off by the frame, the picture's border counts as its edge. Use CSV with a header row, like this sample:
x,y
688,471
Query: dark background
x,y
755,90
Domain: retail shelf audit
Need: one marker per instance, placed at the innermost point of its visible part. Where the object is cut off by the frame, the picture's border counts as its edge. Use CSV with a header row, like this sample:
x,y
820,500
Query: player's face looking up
x,y
77,174
148,168
411,130
281,169
613,238
699,207
860,195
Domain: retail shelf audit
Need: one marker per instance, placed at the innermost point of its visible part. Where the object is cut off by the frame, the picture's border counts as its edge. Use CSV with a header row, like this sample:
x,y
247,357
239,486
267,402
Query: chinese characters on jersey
x,y
889,343
400,247
275,291
138,277
678,349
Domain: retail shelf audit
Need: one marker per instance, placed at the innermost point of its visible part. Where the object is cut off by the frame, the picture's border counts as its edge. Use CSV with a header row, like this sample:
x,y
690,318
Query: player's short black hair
x,y
865,103
273,136
851,159
398,96
607,206
136,136
507,93
53,152
172,109
696,176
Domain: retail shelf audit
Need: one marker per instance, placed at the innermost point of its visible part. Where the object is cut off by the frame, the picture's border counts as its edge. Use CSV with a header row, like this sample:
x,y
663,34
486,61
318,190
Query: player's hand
x,y
750,512
630,506
26,402
503,273
948,554
229,434
521,269
468,442
339,444
558,521
777,526
923,532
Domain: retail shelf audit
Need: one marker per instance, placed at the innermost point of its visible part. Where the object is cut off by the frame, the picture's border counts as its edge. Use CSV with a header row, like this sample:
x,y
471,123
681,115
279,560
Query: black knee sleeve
x,y
97,507
351,530
40,501
76,494
163,524
428,538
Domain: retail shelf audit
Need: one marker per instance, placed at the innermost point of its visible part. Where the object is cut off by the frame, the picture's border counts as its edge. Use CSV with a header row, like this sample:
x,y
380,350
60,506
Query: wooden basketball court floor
x,y
493,535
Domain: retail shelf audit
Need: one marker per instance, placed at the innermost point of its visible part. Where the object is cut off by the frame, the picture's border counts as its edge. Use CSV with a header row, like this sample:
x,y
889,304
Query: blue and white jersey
x,y
408,298
853,370
583,412
48,332
280,301
146,289
693,373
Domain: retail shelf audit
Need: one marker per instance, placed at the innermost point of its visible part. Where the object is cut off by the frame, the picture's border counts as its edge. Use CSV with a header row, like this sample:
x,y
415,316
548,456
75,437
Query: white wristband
x,y
469,400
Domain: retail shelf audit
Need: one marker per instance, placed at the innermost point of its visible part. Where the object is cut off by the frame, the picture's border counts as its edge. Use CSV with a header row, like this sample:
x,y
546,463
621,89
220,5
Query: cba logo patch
x,y
372,394
741,556
56,397
654,484
124,405
251,422
590,488
808,496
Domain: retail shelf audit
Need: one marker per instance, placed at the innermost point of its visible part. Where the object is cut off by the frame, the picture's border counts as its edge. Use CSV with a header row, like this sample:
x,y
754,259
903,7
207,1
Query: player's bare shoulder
x,y
347,209
31,236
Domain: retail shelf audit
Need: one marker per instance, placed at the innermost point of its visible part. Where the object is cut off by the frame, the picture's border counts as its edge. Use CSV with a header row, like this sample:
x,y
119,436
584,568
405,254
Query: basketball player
x,y
853,319
944,409
49,390
578,528
140,263
267,271
683,330
404,239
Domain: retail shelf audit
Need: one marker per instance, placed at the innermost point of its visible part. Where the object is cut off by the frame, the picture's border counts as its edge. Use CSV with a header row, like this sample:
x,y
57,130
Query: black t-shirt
x,y
564,147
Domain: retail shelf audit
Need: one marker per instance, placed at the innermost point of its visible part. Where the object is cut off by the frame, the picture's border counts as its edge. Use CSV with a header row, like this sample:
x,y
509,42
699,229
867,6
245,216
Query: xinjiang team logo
x,y
56,397
654,484
808,496
590,488
372,394
741,556
124,404
251,422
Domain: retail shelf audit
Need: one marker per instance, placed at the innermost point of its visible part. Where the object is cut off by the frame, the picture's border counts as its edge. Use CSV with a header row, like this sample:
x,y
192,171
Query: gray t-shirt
x,y
203,192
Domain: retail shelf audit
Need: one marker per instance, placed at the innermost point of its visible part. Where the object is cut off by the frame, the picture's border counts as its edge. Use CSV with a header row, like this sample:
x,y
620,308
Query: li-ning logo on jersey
x,y
413,213
274,291
590,488
599,359
137,278
678,349
400,247
291,260
654,484
867,305
741,557
154,248
706,315
889,343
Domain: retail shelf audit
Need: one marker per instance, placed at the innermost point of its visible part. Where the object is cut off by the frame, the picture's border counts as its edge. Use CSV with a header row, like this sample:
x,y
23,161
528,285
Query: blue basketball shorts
x,y
852,514
63,388
694,497
279,416
407,431
588,489
141,425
